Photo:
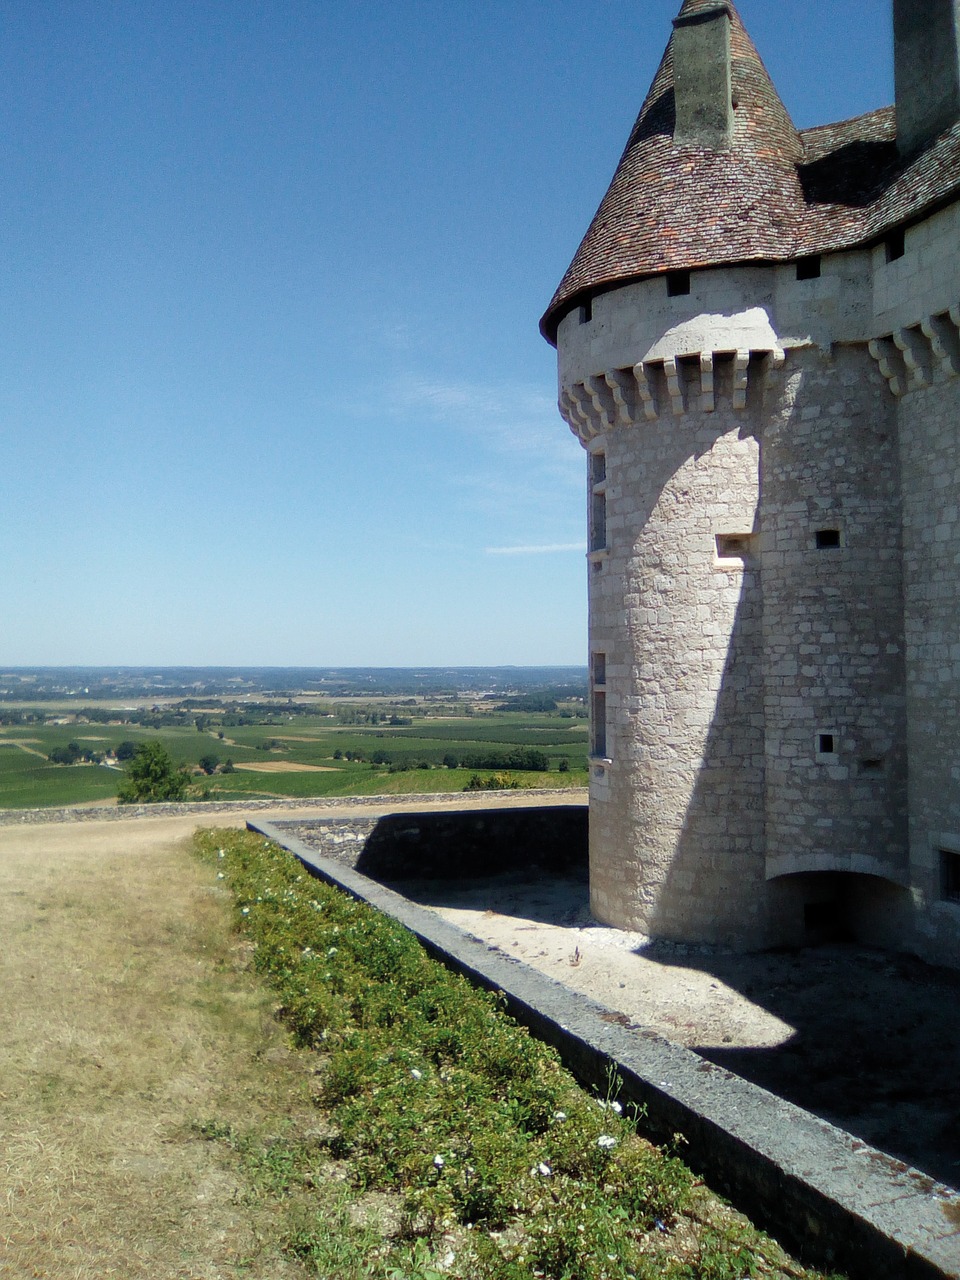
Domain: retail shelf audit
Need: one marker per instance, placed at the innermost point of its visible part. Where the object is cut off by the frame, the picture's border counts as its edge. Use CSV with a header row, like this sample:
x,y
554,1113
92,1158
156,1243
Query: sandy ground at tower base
x,y
867,1039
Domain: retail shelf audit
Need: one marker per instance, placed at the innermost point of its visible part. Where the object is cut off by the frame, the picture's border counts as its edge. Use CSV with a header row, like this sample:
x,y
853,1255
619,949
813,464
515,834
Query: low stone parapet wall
x,y
119,813
452,843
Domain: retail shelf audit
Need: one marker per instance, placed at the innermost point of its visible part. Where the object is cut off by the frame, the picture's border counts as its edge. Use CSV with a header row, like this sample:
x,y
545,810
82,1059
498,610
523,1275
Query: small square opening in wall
x,y
733,546
809,268
678,283
826,538
826,744
949,875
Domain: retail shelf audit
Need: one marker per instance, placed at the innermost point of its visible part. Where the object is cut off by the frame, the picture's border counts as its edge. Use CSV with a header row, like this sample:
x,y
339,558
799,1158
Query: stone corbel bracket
x,y
669,387
909,357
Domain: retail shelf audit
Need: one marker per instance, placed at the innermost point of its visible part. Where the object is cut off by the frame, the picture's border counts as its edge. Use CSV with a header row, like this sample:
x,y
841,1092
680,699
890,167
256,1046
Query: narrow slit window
x,y
599,669
598,502
809,268
598,725
678,283
586,311
949,875
827,538
598,521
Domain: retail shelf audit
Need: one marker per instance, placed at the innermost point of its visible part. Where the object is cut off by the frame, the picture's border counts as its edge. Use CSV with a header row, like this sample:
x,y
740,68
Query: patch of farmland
x,y
284,766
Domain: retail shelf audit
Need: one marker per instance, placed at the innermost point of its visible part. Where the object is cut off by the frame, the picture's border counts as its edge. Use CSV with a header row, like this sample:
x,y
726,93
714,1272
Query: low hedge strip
x,y
504,1167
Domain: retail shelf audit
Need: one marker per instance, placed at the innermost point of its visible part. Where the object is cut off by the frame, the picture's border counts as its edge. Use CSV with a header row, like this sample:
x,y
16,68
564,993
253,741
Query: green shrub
x,y
152,777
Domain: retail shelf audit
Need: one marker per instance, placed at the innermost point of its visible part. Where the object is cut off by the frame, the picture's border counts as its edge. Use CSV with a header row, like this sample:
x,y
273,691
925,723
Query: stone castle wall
x,y
773,594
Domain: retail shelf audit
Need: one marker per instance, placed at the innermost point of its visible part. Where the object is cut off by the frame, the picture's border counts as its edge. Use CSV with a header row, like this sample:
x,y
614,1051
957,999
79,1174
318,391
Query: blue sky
x,y
271,385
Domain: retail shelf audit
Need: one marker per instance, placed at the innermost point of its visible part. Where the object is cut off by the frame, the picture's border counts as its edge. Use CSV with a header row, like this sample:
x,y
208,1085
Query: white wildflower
x,y
332,951
219,875
219,853
615,1106
606,1141
417,1075
544,1169
245,911
559,1115
438,1162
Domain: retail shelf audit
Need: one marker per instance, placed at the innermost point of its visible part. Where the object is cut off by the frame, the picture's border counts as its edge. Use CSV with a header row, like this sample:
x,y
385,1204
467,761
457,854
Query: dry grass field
x,y
129,1018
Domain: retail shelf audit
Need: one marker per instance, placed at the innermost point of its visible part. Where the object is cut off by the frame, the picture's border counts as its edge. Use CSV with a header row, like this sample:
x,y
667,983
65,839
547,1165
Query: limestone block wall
x,y
924,281
833,620
667,393
676,813
930,464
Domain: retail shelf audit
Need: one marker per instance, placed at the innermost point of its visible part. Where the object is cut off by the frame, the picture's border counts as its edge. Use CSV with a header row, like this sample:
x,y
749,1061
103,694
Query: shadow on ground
x,y
876,1044
875,1047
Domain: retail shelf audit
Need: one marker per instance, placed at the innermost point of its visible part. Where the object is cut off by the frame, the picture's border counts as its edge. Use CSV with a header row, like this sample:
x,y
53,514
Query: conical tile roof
x,y
774,194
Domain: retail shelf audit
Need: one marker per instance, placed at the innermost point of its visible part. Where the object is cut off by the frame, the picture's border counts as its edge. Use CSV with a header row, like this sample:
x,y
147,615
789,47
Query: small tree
x,y
152,777
208,763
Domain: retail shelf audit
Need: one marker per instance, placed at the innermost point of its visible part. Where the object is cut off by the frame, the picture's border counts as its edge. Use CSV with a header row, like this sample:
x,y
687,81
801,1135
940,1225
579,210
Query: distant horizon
x,y
36,684
12,668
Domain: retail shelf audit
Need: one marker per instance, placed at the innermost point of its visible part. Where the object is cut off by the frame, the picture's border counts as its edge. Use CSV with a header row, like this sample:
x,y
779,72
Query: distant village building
x,y
759,347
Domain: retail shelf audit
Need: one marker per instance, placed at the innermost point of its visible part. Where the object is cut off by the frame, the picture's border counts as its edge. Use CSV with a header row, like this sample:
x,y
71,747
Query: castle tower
x,y
751,381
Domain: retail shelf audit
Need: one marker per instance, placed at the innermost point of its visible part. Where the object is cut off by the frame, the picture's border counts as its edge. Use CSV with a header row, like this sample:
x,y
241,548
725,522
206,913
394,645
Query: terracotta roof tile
x,y
774,195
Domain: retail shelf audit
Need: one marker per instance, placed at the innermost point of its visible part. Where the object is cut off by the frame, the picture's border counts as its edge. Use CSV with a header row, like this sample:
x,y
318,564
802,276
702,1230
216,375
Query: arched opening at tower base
x,y
811,908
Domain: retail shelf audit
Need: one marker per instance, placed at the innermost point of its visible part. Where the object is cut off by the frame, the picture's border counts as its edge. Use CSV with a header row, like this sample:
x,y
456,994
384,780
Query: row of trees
x,y
522,759
73,753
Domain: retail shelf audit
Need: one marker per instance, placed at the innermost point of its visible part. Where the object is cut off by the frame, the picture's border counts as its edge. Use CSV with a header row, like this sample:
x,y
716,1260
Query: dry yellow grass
x,y
128,1016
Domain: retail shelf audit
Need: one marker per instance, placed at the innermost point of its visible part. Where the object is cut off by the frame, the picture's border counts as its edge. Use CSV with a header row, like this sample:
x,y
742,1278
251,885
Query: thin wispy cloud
x,y
516,419
549,548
